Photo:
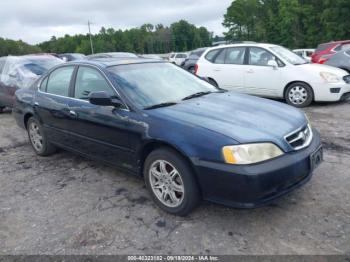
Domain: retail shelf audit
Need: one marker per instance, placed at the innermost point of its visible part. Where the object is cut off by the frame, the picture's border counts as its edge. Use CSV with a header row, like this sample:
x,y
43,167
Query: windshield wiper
x,y
160,105
197,95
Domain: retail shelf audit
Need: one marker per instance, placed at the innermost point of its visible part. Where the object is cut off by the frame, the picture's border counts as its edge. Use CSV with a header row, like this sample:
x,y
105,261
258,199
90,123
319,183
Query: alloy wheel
x,y
35,136
166,183
298,95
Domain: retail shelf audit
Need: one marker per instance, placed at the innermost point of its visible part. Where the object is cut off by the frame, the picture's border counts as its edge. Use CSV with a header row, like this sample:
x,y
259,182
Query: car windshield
x,y
288,55
151,84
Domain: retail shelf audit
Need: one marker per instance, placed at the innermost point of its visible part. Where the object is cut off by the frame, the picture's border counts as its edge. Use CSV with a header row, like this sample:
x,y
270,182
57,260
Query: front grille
x,y
347,79
300,138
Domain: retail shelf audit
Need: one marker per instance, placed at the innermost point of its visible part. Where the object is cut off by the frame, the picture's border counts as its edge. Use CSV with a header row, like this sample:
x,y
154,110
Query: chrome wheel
x,y
35,136
298,95
166,183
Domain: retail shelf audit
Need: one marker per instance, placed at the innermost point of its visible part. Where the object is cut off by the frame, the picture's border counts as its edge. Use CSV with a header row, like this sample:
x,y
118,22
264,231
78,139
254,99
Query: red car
x,y
326,50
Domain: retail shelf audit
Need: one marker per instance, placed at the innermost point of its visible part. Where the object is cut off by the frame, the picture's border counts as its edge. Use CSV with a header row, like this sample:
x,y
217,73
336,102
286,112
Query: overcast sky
x,y
35,21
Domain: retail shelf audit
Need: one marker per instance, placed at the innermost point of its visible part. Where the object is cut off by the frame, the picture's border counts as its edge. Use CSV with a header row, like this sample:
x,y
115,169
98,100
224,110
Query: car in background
x,y
340,60
224,147
112,55
177,58
190,62
151,56
326,50
20,72
67,57
269,70
304,53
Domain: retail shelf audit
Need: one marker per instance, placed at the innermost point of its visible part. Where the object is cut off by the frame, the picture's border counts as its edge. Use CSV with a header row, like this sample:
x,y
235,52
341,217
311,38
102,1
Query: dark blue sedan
x,y
188,139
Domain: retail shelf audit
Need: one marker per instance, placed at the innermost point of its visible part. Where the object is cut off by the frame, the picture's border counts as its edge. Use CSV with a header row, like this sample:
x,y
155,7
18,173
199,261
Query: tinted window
x,y
181,56
59,80
347,52
90,80
309,53
210,56
220,58
235,55
322,47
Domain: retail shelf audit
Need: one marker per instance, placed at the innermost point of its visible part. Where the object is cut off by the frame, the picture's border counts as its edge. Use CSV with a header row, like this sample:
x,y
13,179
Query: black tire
x,y
47,148
2,109
191,69
191,195
212,82
302,97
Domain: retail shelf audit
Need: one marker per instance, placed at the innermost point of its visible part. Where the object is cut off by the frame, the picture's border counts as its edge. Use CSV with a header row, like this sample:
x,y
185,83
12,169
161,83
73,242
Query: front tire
x,y
171,182
2,109
299,94
38,138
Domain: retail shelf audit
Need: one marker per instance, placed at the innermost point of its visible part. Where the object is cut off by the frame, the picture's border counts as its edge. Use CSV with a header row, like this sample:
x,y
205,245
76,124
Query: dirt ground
x,y
65,204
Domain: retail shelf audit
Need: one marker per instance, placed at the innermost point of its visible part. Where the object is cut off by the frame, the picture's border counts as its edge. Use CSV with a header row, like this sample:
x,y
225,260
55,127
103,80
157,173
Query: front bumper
x,y
255,185
331,91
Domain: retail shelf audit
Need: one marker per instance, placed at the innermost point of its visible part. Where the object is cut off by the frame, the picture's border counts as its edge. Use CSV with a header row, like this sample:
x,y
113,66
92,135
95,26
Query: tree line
x,y
179,36
291,23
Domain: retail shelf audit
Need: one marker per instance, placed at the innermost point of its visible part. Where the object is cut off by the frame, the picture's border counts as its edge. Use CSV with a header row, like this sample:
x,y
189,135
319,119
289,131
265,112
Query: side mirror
x,y
273,64
103,99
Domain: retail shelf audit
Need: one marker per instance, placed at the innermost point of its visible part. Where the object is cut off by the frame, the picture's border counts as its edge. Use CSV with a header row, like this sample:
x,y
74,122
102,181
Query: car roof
x,y
265,45
108,62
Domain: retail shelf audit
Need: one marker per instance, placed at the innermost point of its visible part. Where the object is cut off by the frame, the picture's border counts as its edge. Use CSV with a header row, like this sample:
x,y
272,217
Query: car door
x,y
51,104
228,67
260,78
99,131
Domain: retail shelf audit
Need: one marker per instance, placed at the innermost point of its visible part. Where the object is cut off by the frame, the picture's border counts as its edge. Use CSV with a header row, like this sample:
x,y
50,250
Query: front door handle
x,y
217,69
72,113
250,71
36,103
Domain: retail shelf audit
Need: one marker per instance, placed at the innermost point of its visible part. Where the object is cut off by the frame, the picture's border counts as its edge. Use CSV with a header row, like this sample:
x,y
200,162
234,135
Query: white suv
x,y
272,71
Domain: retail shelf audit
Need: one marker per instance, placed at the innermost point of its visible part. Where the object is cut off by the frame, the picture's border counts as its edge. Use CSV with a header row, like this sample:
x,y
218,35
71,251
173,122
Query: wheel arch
x,y
26,118
152,145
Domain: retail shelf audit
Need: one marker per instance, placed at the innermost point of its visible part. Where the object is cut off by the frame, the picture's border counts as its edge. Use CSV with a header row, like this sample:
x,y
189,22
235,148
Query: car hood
x,y
317,68
244,118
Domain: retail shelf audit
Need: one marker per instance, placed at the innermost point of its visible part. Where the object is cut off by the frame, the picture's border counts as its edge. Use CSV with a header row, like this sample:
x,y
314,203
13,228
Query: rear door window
x,y
59,81
235,55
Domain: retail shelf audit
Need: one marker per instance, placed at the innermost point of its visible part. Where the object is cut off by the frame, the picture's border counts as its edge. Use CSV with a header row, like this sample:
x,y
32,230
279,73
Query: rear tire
x,y
2,109
171,182
191,70
299,94
38,138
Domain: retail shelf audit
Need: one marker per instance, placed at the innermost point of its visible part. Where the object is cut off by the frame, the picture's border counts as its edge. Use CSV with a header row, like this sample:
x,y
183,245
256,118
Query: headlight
x,y
329,77
250,153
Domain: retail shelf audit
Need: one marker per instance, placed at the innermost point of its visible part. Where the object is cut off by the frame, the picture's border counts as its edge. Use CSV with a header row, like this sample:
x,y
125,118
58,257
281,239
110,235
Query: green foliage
x,y
292,23
11,47
180,36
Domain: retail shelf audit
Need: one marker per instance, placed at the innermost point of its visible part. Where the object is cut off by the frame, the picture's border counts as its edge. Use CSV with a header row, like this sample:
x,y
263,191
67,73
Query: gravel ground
x,y
65,204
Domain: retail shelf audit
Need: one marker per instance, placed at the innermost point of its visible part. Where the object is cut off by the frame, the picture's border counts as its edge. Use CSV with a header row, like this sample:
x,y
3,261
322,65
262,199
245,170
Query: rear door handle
x,y
249,71
72,113
36,103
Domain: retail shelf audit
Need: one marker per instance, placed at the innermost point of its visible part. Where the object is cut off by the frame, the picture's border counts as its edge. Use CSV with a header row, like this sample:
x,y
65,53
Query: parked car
x,y
340,60
112,55
151,56
304,53
326,50
272,71
155,120
177,58
190,62
67,57
20,72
